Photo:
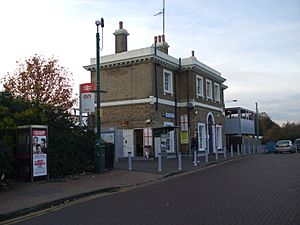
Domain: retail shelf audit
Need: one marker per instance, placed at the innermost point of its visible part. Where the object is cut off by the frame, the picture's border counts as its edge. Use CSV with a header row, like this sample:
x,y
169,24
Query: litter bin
x,y
109,155
99,156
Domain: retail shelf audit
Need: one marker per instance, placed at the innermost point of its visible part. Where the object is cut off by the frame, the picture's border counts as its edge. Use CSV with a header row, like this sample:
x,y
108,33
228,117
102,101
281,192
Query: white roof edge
x,y
149,51
193,61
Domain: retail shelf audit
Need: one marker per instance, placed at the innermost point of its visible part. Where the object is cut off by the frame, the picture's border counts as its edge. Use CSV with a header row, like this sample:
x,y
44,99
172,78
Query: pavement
x,y
26,197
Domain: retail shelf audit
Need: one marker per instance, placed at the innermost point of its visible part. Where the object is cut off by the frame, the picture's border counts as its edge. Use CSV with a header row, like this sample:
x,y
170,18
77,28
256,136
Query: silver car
x,y
284,146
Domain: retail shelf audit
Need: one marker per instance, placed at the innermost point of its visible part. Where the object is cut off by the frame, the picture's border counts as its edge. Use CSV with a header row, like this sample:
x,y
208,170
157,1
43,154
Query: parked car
x,y
284,146
297,144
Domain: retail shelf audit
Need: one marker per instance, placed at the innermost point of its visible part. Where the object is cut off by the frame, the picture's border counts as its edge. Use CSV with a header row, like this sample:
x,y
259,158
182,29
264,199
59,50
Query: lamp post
x,y
99,150
257,121
98,119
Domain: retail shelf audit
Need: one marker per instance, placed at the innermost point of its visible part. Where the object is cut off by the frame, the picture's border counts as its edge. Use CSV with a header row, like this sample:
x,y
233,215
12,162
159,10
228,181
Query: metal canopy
x,y
158,131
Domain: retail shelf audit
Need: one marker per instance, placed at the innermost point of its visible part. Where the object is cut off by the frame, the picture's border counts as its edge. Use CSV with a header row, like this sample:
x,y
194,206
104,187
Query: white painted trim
x,y
219,143
204,139
151,100
211,89
126,102
202,85
208,106
172,139
218,97
170,81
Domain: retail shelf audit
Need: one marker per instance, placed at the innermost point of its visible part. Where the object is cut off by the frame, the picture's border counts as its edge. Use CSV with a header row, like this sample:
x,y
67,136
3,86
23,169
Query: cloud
x,y
254,44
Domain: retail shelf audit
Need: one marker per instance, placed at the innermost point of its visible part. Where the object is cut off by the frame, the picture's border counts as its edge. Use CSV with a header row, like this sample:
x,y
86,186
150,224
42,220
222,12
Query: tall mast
x,y
163,17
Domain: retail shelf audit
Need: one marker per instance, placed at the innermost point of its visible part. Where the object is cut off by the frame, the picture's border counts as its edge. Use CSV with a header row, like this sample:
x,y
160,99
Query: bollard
x,y
231,150
206,155
238,149
217,152
244,149
159,166
225,152
195,158
179,162
129,161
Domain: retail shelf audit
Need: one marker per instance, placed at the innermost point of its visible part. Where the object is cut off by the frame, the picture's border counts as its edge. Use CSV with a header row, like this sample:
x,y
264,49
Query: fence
x,y
182,162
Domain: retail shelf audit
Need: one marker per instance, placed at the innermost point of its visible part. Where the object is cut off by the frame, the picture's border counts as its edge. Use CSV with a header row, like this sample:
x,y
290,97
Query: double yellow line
x,y
61,206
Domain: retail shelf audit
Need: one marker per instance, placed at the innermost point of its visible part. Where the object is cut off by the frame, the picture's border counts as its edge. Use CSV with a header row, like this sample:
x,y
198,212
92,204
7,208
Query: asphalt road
x,y
262,189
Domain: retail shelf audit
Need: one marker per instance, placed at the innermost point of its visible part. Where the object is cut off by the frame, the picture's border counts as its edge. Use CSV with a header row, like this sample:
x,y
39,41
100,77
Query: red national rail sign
x,y
87,97
88,87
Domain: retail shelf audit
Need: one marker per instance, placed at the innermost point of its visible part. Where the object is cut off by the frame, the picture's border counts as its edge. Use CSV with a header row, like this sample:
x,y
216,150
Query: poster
x,y
184,137
39,152
39,165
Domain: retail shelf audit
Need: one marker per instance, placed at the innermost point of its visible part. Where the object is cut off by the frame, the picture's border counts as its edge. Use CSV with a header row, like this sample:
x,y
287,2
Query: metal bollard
x,y
179,162
206,155
159,166
217,154
129,161
238,149
231,150
244,149
195,158
225,152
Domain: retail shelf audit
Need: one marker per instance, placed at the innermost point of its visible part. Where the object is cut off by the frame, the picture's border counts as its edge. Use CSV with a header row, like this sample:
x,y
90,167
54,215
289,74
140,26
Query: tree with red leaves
x,y
42,81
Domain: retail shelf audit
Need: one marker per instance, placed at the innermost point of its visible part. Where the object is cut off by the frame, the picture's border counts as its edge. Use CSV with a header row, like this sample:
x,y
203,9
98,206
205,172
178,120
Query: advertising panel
x,y
39,152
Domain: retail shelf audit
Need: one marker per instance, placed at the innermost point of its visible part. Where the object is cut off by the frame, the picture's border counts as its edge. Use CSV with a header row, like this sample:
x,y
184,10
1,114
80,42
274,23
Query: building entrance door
x,y
139,145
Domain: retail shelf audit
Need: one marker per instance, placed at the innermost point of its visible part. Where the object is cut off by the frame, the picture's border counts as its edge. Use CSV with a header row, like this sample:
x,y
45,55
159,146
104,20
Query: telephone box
x,y
31,154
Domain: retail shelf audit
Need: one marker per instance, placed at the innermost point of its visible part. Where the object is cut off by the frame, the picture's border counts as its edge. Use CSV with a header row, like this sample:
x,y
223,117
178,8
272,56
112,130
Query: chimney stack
x,y
121,39
193,53
161,43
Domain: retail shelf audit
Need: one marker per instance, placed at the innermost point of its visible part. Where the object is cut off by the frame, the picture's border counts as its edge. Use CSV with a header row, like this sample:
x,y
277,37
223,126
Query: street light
x,y
98,119
99,149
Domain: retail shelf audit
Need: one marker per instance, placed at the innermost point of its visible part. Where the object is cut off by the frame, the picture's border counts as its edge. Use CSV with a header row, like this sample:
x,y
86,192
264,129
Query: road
x,y
261,189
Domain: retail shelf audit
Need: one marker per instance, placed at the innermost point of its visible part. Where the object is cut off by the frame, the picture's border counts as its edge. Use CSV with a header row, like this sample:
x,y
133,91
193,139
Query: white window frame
x,y
147,133
199,90
218,136
170,138
169,88
202,136
217,92
209,90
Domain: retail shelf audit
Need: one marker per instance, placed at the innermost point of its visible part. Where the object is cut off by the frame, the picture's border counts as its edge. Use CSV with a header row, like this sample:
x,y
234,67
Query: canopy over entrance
x,y
158,131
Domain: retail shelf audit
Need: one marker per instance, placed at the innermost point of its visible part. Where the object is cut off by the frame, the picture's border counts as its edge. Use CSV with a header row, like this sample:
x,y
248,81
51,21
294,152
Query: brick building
x,y
147,88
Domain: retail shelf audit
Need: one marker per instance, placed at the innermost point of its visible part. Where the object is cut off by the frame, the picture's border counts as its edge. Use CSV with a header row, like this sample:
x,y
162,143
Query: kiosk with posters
x,y
31,154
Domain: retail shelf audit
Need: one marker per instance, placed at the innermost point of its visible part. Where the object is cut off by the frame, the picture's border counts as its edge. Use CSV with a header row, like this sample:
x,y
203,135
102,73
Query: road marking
x,y
62,205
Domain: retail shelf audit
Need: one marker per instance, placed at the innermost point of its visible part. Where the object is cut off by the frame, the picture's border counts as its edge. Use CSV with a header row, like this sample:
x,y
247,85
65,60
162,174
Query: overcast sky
x,y
254,44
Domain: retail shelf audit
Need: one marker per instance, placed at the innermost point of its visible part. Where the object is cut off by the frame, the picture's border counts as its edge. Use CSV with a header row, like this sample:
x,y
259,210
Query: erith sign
x,y
87,97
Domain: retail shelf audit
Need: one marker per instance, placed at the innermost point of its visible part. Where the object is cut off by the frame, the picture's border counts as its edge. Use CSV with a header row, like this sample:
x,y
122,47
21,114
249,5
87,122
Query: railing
x,y
201,157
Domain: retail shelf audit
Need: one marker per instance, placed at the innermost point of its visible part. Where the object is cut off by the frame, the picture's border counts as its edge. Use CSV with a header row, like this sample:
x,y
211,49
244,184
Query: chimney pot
x,y
159,38
163,38
193,53
155,39
120,25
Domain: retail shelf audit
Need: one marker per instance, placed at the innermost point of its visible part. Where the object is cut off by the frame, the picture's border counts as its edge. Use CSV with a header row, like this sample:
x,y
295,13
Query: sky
x,y
254,44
